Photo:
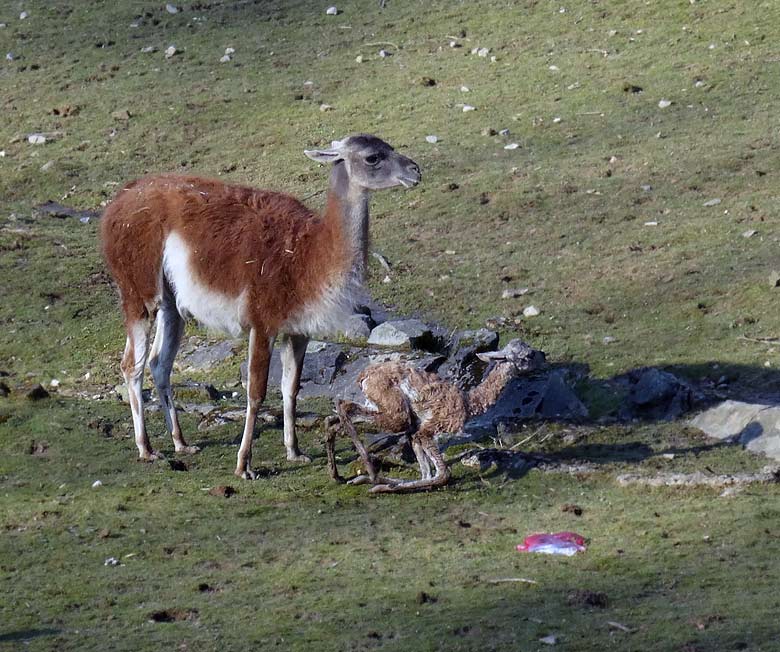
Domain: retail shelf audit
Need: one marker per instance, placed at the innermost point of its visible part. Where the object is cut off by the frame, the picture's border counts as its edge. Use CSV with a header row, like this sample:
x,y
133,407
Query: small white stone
x,y
170,51
432,139
464,89
171,9
651,223
608,339
554,68
493,59
483,52
711,202
87,376
513,293
332,11
646,187
148,48
230,51
111,561
36,139
453,44
325,107
54,383
503,132
84,220
557,119
511,146
531,311
96,484
384,54
10,56
23,15
387,280
468,107
612,32
699,83
225,58
2,153
450,252
749,234
664,103
549,640
359,58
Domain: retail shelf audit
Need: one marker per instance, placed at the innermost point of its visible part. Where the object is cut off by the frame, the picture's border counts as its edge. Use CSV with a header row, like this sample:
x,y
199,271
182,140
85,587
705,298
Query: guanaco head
x,y
370,162
517,353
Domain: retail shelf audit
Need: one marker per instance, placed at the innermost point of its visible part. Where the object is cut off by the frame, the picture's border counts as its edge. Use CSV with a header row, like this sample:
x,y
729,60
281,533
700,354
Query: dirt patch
x,y
173,615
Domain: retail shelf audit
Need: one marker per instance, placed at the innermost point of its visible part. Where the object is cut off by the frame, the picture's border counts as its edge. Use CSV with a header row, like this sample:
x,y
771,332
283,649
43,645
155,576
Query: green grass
x,y
294,561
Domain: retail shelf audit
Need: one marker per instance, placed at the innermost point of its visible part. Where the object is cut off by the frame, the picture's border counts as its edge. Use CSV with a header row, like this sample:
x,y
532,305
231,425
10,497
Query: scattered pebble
x,y
468,107
84,220
651,223
513,293
96,484
554,68
646,187
503,132
10,56
111,561
511,146
171,51
432,139
36,139
225,58
230,51
359,58
149,48
325,107
774,279
531,311
464,89
608,340
712,202
556,120
483,52
24,15
699,83
2,153
749,233
171,9
664,103
47,166
332,11
384,54
549,640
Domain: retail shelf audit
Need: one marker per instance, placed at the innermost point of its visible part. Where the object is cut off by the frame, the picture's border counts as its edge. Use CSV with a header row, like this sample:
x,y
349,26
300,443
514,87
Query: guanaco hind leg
x,y
133,363
170,328
292,353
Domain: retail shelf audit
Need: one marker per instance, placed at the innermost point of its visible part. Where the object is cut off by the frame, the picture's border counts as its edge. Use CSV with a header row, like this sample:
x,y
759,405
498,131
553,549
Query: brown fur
x,y
242,238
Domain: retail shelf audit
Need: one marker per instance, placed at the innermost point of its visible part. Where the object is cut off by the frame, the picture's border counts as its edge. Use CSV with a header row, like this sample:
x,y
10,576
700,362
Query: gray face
x,y
517,353
371,163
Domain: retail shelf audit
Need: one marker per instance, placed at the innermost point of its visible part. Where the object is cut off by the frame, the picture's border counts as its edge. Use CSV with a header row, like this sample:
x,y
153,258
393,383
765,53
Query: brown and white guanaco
x,y
240,260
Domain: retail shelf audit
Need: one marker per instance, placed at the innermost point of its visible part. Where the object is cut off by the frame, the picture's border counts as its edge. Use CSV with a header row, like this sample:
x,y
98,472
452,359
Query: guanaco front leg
x,y
292,354
257,382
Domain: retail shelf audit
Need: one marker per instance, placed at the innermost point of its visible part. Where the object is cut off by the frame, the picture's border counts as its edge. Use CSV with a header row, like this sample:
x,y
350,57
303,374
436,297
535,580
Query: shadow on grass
x,y
27,635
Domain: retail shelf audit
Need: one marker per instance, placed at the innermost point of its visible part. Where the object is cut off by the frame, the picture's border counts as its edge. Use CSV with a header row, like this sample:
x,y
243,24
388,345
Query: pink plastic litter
x,y
560,543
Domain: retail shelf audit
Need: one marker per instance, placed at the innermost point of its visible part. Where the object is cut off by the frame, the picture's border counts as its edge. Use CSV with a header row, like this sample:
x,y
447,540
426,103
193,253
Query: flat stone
x,y
203,358
357,328
756,426
656,394
404,334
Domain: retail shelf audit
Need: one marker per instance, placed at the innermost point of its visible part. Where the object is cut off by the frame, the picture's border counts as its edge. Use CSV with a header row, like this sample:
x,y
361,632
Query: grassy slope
x,y
562,218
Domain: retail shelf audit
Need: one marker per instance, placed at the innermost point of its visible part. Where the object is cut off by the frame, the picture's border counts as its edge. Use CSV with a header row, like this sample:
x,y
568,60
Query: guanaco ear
x,y
323,155
491,355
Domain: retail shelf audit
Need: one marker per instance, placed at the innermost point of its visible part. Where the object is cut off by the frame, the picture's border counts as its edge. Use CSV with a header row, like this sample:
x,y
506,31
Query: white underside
x,y
214,310
327,314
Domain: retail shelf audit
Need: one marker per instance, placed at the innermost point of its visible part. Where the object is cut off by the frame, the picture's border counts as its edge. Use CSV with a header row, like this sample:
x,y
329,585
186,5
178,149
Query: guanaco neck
x,y
347,208
484,395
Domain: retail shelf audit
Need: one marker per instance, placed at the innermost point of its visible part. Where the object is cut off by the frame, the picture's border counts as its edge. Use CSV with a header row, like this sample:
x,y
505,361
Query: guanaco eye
x,y
372,159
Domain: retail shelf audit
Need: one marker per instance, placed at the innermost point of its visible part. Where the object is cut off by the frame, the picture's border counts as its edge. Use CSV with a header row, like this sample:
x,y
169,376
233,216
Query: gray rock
x,y
655,394
405,334
203,358
463,367
754,425
546,397
357,328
